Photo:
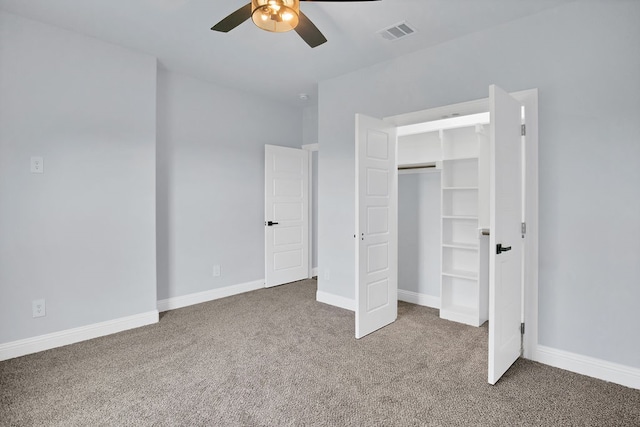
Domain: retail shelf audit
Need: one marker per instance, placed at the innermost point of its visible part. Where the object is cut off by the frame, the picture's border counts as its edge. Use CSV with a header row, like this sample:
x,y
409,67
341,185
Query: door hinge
x,y
523,130
522,328
523,228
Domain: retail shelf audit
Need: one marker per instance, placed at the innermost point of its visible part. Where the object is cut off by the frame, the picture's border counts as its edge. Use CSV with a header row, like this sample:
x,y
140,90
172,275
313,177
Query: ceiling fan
x,y
277,16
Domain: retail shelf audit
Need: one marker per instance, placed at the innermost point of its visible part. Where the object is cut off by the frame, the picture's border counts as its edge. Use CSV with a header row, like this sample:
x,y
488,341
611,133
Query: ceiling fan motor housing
x,y
276,16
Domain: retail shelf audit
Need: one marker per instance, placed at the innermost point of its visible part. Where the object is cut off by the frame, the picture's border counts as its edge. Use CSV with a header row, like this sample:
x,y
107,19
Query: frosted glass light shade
x,y
277,16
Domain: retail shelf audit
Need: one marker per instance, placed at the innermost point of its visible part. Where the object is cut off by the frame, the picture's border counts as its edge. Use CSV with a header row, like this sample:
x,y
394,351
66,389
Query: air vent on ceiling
x,y
397,31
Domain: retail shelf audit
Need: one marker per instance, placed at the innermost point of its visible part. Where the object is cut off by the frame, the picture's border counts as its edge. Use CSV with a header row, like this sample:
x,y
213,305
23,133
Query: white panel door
x,y
286,222
505,250
376,225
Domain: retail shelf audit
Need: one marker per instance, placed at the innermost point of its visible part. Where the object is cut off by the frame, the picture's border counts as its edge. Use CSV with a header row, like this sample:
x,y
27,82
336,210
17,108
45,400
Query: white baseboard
x,y
335,300
592,367
407,296
213,294
71,336
314,272
419,299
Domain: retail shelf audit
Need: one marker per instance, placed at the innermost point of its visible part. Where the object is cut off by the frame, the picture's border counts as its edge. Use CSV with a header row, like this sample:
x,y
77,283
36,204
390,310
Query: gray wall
x,y
210,167
81,235
584,59
310,124
419,231
310,136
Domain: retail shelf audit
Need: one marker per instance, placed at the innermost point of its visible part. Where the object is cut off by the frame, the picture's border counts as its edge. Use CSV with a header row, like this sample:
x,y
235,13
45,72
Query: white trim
x,y
335,300
210,295
310,213
431,114
450,123
419,299
597,368
314,272
70,336
529,98
311,148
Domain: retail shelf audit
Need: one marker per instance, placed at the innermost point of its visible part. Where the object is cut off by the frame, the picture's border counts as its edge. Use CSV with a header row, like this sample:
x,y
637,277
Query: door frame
x,y
303,273
529,99
311,148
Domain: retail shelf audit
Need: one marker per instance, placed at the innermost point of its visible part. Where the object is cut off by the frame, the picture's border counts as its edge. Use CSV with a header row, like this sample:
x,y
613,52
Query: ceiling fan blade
x,y
233,20
309,32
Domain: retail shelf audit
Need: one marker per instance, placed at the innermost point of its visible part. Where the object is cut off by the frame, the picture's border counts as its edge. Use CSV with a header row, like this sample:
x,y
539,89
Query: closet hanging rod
x,y
419,166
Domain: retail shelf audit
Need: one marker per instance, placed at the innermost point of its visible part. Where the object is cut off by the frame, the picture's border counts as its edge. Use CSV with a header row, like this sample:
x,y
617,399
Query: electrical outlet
x,y
37,165
38,308
216,271
327,274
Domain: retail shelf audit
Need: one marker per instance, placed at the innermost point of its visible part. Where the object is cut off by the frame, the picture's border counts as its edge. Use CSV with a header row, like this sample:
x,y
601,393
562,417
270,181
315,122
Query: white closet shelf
x,y
461,274
457,245
453,159
466,217
463,193
461,314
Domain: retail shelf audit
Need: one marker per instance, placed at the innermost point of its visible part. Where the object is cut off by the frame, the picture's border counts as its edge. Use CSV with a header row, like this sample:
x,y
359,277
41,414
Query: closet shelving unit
x,y
464,268
460,152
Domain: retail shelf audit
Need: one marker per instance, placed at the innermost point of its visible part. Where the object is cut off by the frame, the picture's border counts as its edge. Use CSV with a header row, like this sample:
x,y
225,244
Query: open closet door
x,y
376,225
505,250
286,218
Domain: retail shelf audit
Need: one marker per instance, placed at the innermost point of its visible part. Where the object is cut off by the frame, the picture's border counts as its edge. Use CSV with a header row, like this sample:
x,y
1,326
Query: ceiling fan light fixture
x,y
277,16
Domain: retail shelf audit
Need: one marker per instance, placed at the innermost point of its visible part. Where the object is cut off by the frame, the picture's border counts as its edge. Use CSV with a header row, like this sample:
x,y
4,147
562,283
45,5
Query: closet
x,y
458,149
488,194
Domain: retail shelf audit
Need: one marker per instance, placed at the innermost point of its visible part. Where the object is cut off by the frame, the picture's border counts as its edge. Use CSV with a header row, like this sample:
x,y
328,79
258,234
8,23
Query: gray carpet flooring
x,y
276,357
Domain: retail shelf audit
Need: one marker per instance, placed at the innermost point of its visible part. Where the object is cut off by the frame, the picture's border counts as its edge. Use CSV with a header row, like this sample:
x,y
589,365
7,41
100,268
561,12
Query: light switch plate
x,y
37,165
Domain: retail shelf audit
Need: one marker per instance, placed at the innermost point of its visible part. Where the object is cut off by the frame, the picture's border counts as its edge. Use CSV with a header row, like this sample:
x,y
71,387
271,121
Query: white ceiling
x,y
279,66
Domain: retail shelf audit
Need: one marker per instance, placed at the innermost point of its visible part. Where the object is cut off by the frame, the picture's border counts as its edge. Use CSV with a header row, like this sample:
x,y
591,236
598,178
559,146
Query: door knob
x,y
500,248
270,223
